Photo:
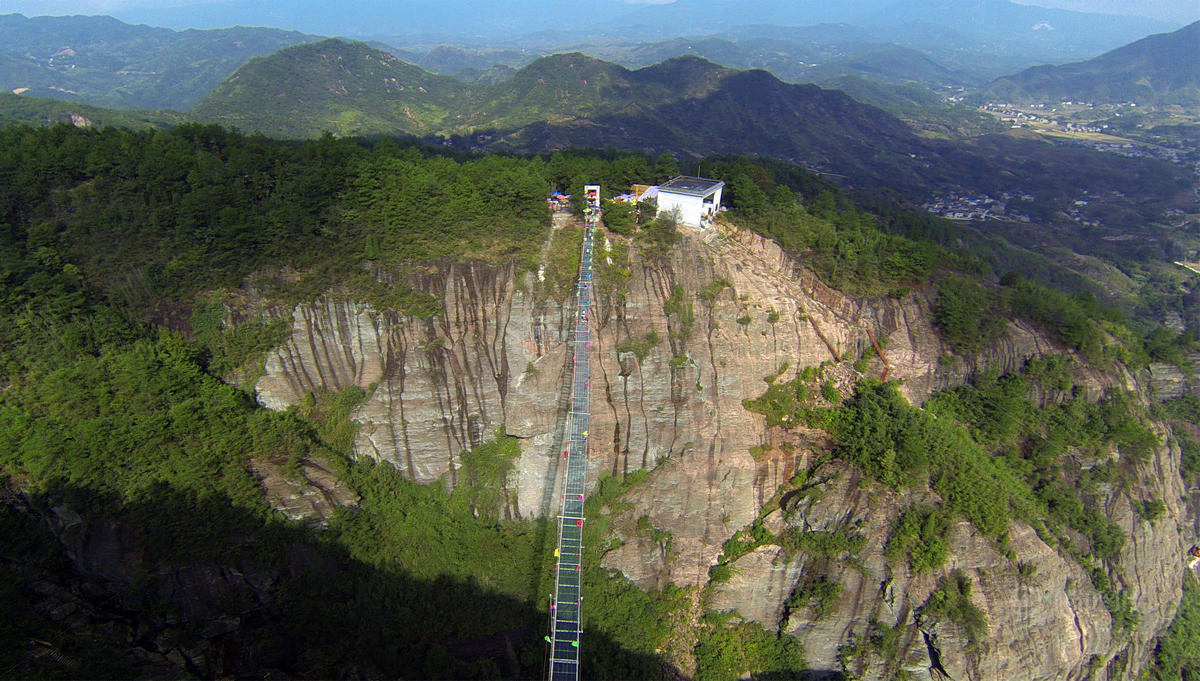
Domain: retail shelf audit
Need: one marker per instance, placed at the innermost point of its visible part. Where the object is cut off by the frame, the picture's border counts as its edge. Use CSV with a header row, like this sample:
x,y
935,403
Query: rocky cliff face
x,y
498,357
1044,618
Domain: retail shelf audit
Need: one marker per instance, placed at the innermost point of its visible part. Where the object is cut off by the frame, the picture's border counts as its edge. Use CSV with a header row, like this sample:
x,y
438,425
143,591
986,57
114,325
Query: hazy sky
x,y
1184,11
1178,11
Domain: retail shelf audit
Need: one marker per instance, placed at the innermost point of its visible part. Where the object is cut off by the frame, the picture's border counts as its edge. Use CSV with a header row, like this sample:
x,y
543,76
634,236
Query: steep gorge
x,y
678,343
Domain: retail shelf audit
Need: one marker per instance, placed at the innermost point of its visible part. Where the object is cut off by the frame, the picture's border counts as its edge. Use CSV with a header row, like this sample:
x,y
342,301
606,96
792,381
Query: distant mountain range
x,y
1159,69
990,40
105,62
101,61
1072,34
1001,24
685,104
810,56
948,42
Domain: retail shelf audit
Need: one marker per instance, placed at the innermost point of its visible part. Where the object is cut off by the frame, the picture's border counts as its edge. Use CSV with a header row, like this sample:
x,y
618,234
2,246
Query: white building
x,y
591,196
696,198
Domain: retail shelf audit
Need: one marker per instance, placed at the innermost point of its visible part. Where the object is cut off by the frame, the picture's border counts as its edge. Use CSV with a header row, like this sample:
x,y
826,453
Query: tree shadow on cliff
x,y
223,591
807,675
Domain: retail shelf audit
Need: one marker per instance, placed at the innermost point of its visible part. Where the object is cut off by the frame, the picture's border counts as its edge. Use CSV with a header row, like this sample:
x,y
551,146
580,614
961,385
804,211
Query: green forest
x,y
117,248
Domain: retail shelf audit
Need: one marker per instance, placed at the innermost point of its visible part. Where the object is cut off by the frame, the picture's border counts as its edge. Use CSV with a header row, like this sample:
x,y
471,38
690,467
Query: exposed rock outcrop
x,y
304,490
1169,381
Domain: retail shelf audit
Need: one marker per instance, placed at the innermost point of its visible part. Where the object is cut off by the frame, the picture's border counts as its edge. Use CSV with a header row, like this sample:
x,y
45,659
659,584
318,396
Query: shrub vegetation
x,y
992,456
728,648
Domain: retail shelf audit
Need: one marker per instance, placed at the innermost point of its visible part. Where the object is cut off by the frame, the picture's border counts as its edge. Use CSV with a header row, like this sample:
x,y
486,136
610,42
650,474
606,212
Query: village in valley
x,y
1111,128
983,207
1122,129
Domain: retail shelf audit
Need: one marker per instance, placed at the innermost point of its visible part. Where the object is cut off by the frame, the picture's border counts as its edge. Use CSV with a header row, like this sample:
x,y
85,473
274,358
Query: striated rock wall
x,y
497,357
437,386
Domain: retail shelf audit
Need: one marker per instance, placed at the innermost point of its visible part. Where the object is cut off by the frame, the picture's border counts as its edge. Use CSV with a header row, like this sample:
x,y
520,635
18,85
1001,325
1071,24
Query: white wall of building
x,y
690,207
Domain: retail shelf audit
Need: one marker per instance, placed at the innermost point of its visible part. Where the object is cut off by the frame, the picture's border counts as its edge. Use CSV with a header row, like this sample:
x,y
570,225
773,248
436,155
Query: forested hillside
x,y
37,111
335,86
104,62
113,350
128,431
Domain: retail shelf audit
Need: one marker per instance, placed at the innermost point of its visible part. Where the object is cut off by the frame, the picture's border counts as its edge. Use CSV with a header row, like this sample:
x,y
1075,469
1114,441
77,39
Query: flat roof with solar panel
x,y
691,186
694,201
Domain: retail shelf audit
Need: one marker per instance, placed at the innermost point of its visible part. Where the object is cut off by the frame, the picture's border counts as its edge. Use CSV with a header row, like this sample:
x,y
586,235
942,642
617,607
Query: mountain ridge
x,y
38,111
1163,68
481,18
683,105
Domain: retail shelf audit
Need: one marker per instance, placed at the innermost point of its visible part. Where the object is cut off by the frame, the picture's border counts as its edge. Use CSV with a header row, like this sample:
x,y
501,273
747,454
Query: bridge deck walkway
x,y
565,610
